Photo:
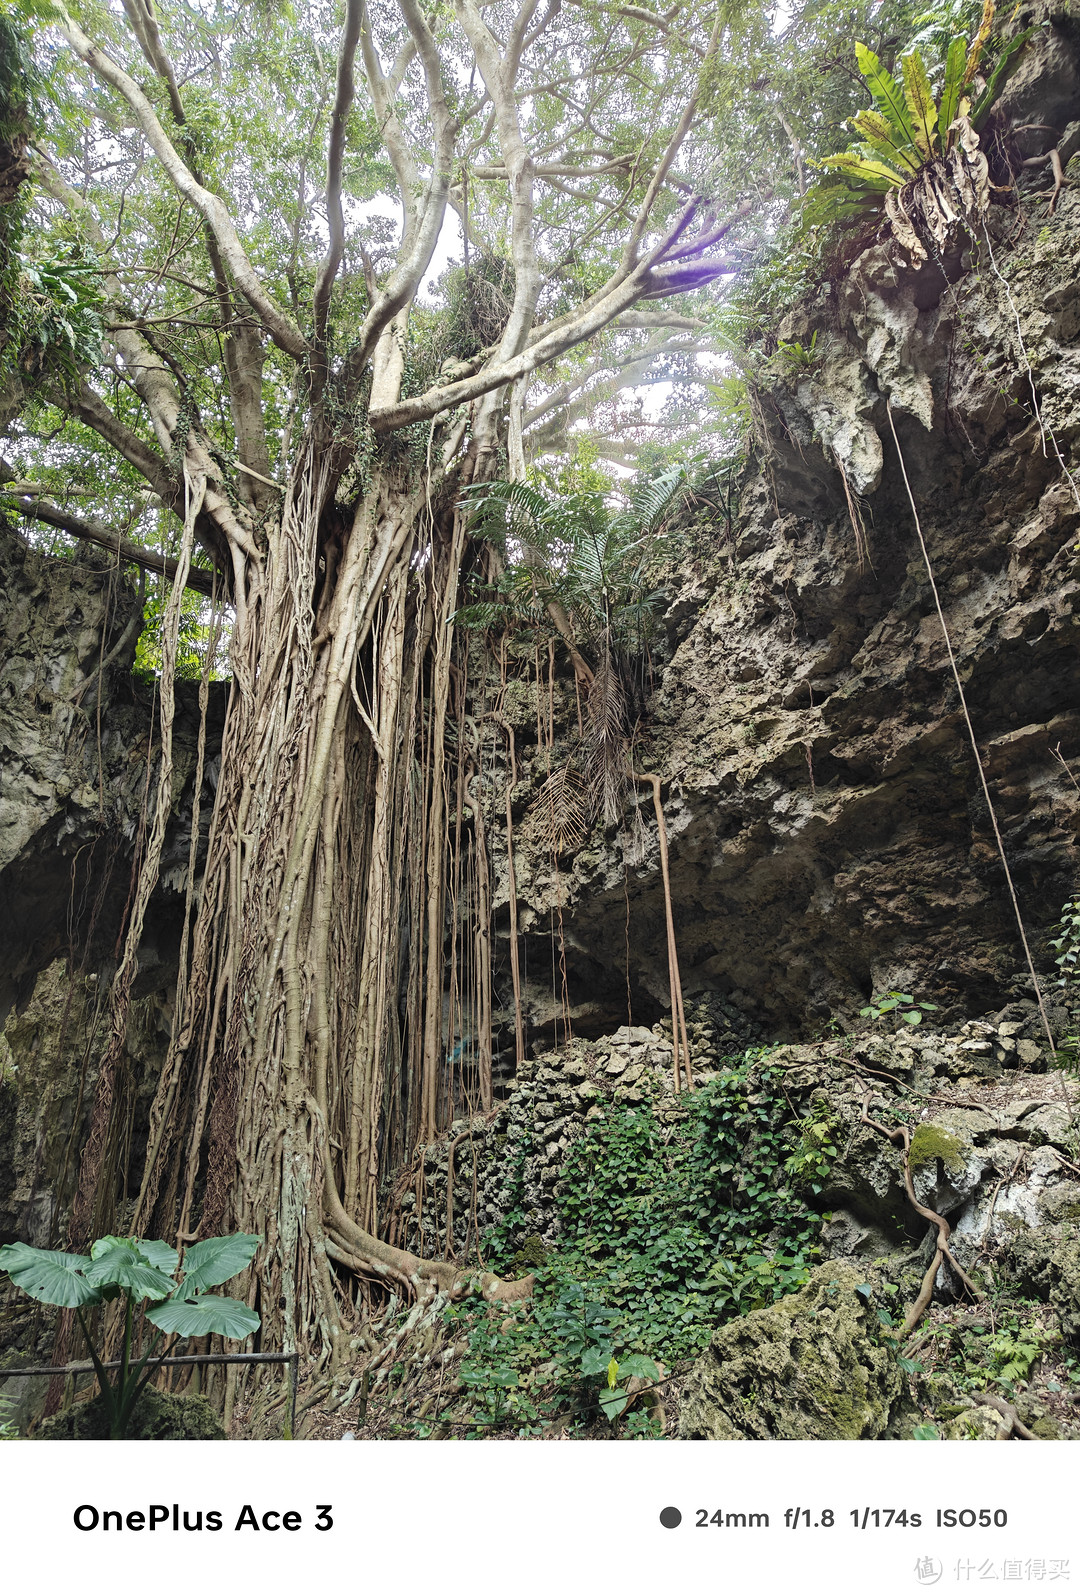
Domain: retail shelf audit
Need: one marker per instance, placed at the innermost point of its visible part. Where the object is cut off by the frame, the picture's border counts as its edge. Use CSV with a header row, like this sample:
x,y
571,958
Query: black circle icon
x,y
671,1517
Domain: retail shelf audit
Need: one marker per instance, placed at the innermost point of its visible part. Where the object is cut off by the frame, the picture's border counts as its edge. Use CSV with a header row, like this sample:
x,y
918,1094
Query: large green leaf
x,y
112,1243
213,1261
51,1277
886,92
206,1315
123,1267
920,103
870,174
950,94
160,1255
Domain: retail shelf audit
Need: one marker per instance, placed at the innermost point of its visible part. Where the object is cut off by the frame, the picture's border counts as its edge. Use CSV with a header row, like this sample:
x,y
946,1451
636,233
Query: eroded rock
x,y
811,1367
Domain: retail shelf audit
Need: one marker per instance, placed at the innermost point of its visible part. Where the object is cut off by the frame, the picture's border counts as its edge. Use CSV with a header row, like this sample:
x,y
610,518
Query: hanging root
x,y
679,1037
942,1254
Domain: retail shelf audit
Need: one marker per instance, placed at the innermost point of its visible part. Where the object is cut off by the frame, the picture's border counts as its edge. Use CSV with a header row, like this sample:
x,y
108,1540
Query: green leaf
x,y
213,1261
50,1277
637,1366
887,95
871,174
1006,64
950,94
881,136
111,1243
206,1315
612,1402
122,1266
160,1255
925,1431
920,103
912,1018
595,1360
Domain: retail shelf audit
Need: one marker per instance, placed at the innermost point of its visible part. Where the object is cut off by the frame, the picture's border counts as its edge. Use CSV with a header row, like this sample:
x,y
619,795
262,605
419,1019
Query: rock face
x,y
1046,1263
829,837
77,760
812,1367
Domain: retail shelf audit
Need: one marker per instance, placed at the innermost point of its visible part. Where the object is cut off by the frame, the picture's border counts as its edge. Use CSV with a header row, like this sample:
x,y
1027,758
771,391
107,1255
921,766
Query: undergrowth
x,y
666,1229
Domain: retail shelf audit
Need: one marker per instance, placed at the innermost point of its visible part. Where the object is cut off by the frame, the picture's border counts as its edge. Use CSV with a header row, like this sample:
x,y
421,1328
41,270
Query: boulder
x,y
810,1367
157,1416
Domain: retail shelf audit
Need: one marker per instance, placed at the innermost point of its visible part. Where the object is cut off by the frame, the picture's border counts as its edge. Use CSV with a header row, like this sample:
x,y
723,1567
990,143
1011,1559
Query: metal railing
x,y
291,1357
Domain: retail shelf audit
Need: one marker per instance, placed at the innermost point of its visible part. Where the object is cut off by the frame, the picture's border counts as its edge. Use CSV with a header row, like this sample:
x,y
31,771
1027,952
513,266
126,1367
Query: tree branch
x,y
346,90
210,205
200,581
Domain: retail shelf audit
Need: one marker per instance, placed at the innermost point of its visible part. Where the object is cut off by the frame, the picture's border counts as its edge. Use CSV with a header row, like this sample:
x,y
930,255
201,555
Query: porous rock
x,y
810,1367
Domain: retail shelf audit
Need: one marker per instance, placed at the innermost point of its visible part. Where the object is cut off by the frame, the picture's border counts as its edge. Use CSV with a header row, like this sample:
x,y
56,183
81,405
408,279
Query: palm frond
x,y
606,737
559,819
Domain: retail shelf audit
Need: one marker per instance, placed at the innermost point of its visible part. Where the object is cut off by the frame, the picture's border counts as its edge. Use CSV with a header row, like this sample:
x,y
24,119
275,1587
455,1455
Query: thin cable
x,y
971,732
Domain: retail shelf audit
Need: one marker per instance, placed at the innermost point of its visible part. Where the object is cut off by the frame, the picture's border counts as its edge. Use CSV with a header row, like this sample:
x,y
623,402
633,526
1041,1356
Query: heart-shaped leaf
x,y
51,1277
595,1360
213,1261
207,1315
638,1367
612,1402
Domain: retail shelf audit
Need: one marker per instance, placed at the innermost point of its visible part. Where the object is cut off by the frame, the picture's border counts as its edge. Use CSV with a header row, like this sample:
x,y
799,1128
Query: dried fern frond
x,y
559,819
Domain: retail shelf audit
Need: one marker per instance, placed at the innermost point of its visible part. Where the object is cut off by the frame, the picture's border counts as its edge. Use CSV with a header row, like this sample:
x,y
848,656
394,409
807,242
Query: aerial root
x,y
942,1253
1012,1425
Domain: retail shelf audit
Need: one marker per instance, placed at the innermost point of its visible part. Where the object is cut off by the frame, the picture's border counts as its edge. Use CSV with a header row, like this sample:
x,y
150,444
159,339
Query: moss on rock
x,y
158,1416
810,1367
931,1142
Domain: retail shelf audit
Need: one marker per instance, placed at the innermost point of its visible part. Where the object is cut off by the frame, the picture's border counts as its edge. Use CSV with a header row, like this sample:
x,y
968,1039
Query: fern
x,y
907,131
949,108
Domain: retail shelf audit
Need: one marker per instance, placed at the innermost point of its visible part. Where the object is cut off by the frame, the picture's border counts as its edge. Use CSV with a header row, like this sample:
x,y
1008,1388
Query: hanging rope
x,y
971,733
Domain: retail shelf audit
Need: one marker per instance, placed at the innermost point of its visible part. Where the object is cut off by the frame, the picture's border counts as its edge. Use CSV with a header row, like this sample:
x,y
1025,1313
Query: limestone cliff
x,y
829,836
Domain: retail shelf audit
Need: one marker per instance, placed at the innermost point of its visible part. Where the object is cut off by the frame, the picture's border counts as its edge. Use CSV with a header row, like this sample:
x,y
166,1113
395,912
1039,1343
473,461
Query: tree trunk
x,y
286,1067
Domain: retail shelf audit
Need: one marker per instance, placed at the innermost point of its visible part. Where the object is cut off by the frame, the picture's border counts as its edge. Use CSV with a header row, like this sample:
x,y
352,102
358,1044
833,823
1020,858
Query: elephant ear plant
x,y
139,1271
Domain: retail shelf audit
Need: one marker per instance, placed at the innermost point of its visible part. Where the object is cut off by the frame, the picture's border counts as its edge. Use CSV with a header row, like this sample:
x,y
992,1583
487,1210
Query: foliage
x,y
8,1429
54,322
900,1005
1067,949
574,549
1067,945
976,1354
908,128
195,635
816,1151
579,567
664,1230
135,1272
